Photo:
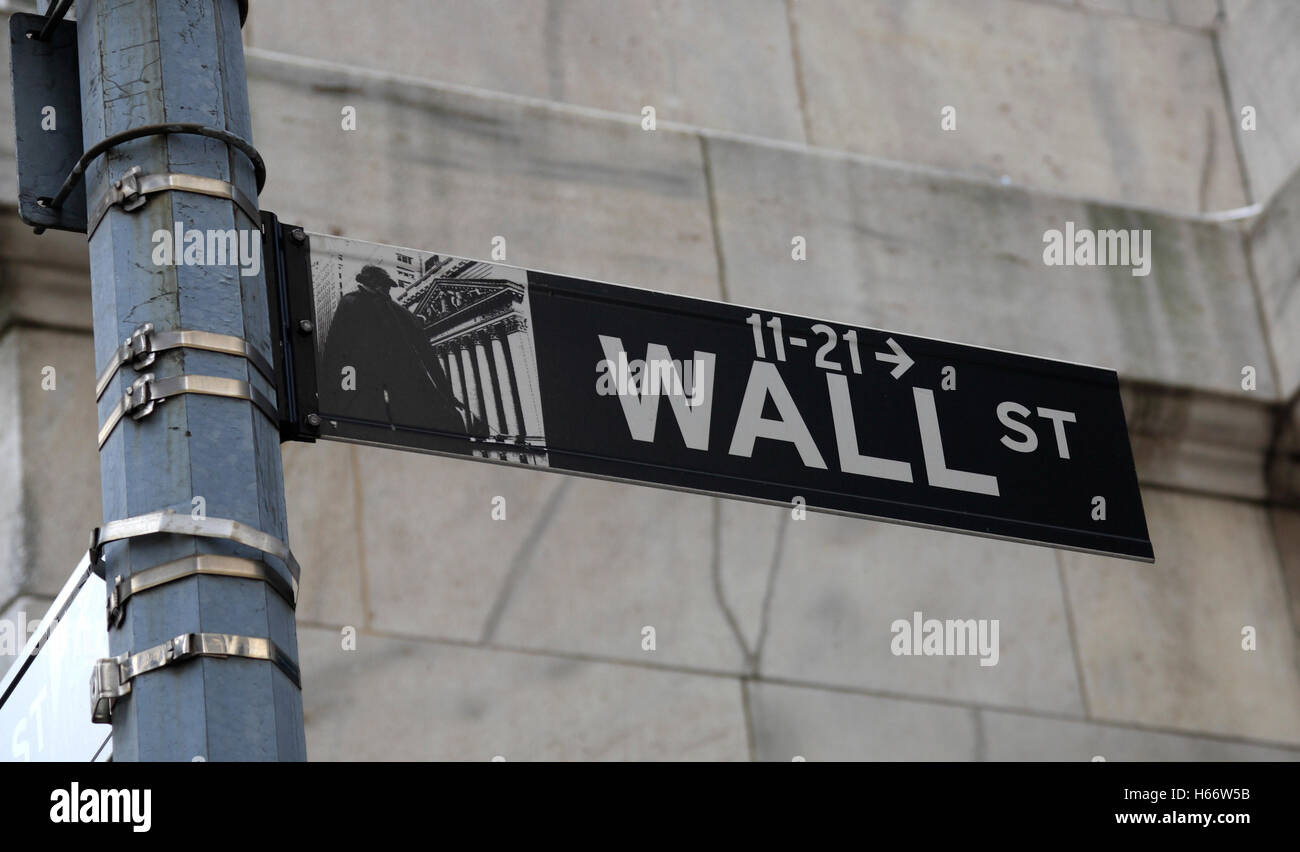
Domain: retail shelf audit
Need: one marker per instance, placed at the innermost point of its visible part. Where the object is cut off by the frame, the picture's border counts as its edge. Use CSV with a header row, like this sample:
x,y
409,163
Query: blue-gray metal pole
x,y
150,62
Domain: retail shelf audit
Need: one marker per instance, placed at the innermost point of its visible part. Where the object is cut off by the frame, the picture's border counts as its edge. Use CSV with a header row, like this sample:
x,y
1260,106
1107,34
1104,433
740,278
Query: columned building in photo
x,y
478,328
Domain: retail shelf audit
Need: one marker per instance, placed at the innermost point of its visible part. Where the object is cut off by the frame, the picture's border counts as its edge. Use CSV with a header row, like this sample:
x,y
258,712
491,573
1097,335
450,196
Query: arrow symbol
x,y
899,357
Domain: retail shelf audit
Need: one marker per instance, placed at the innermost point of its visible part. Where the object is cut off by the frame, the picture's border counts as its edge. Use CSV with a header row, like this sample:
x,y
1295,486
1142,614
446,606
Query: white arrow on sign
x,y
899,357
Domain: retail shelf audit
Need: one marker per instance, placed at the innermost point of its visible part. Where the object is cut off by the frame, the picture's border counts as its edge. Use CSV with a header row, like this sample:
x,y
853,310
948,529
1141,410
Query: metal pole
x,y
148,62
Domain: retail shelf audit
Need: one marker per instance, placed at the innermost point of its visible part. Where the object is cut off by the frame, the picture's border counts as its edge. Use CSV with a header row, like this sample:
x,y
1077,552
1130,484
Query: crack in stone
x,y
751,657
1208,165
765,617
522,560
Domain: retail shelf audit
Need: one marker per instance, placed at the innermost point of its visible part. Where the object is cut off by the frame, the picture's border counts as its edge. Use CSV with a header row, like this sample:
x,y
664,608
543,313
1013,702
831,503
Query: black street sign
x,y
424,351
45,81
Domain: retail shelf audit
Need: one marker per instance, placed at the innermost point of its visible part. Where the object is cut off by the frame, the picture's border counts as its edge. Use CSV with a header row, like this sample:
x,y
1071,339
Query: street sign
x,y
425,351
45,695
45,81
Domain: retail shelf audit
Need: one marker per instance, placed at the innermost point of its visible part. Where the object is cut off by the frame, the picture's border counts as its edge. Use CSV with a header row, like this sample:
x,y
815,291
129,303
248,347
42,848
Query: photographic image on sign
x,y
435,347
458,356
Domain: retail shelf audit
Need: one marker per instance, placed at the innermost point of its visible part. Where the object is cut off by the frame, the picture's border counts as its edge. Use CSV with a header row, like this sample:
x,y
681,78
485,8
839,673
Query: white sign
x,y
45,695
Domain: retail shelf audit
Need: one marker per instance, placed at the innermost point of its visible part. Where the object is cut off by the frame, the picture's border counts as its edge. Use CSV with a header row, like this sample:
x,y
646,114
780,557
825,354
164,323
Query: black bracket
x,y
53,17
47,118
285,252
46,84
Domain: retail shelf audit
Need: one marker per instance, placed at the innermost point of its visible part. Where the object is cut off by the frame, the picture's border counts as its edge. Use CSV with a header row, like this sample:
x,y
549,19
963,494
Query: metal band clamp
x,y
142,347
146,391
175,523
110,142
206,564
111,677
133,189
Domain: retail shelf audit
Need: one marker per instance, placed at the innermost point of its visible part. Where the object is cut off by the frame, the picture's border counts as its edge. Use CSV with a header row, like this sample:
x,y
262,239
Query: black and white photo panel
x,y
426,351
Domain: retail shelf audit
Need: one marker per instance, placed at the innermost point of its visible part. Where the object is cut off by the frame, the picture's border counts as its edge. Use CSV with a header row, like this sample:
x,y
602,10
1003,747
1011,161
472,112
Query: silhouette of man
x,y
399,381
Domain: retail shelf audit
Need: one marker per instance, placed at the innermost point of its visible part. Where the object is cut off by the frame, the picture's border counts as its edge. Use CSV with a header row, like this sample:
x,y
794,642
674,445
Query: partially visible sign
x,y
444,354
45,696
45,80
